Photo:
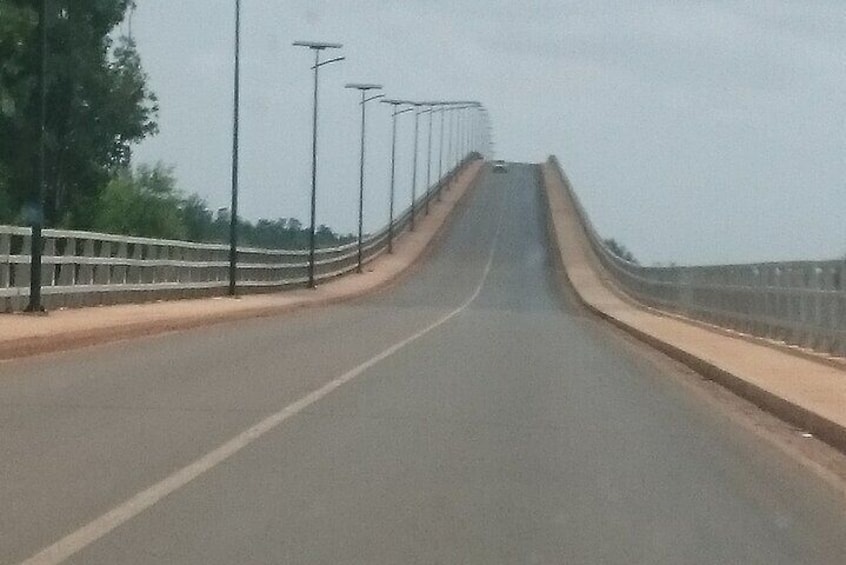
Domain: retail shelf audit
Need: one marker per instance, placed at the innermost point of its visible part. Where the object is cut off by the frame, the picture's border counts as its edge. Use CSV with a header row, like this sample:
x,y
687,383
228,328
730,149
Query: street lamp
x,y
317,47
233,215
431,111
363,88
463,137
450,153
36,243
394,113
441,152
415,105
442,105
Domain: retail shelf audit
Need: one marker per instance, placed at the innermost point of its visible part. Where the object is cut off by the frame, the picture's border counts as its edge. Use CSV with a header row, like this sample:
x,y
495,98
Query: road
x,y
471,414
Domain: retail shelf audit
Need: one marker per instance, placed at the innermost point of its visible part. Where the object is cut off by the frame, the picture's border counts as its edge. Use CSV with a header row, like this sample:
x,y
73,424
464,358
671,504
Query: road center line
x,y
99,527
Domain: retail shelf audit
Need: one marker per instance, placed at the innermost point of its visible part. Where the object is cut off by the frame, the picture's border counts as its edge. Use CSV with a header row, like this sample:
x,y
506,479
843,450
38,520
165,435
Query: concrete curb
x,y
827,430
64,340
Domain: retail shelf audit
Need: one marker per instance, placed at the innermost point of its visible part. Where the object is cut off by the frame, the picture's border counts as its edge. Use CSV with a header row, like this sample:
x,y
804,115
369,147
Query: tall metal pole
x,y
393,177
429,161
441,156
363,89
233,210
36,243
311,241
460,143
459,122
414,172
450,151
395,104
317,47
471,120
361,182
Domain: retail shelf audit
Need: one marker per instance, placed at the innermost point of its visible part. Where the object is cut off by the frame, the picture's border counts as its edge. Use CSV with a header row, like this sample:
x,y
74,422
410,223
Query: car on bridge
x,y
499,166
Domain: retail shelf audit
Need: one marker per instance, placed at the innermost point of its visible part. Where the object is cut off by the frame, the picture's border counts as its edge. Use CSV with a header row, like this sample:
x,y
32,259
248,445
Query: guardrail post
x,y
839,346
48,268
22,271
86,269
48,271
134,273
102,270
119,269
67,268
5,252
5,270
832,307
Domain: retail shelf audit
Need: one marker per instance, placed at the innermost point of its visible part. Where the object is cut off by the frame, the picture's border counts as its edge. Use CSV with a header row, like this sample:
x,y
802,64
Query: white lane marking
x,y
99,527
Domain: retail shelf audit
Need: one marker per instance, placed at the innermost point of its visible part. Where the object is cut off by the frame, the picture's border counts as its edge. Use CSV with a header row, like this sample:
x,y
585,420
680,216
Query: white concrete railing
x,y
798,302
84,268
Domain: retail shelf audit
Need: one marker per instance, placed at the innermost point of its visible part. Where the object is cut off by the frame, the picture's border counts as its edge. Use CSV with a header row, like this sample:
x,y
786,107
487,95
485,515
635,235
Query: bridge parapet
x,y
800,303
84,268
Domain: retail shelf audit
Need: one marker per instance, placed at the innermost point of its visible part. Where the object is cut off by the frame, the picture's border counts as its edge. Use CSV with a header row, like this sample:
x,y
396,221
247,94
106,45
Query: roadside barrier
x,y
799,303
84,269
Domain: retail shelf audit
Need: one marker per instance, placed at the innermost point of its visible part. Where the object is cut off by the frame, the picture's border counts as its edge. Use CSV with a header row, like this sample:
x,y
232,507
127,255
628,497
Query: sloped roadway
x,y
491,422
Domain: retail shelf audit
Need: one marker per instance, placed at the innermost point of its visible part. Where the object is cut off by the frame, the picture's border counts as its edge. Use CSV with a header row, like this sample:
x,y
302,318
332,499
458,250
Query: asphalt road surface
x,y
468,415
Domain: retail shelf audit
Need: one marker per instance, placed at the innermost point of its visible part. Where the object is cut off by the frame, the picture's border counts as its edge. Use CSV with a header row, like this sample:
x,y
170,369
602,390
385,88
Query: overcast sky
x,y
693,131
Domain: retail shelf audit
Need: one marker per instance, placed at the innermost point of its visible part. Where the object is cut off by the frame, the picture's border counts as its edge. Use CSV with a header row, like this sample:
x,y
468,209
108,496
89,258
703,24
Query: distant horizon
x,y
692,133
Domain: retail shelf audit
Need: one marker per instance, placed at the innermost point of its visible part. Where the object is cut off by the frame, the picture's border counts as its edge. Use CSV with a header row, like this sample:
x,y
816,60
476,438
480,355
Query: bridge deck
x,y
470,415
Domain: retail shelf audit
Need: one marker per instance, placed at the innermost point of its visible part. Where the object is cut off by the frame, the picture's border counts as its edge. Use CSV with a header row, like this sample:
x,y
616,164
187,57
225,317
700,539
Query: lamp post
x,y
394,113
317,47
233,211
463,141
449,147
431,111
36,242
363,88
441,153
415,105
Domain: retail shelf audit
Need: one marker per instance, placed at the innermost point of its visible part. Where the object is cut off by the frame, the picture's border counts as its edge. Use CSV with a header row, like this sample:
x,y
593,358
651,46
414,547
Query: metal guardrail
x,y
84,269
799,303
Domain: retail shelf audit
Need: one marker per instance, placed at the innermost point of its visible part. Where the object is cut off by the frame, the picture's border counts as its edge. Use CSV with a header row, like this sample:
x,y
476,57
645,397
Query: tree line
x,y
144,201
98,106
620,250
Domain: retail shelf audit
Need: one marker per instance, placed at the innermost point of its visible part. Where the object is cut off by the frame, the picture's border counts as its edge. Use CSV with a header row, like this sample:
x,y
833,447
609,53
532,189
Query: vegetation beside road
x,y
620,250
98,106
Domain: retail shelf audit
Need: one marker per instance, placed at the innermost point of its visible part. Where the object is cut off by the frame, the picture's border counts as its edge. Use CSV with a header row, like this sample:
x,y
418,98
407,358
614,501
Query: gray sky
x,y
693,131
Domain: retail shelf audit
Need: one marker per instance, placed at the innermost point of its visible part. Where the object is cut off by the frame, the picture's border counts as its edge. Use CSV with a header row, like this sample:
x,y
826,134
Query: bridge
x,y
500,389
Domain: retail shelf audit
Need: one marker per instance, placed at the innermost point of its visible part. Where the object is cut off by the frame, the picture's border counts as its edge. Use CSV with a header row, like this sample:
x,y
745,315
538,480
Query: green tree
x,y
197,219
620,250
7,214
98,104
144,202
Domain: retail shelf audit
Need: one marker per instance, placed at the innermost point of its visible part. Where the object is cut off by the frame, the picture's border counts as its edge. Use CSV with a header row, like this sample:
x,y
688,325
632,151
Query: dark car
x,y
499,167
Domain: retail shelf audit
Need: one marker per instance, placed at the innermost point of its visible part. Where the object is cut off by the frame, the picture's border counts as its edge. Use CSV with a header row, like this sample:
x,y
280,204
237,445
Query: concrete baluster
x,y
49,300
769,302
86,268
148,267
159,252
5,270
797,310
135,272
5,265
67,270
21,270
102,271
48,266
839,346
827,305
119,269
